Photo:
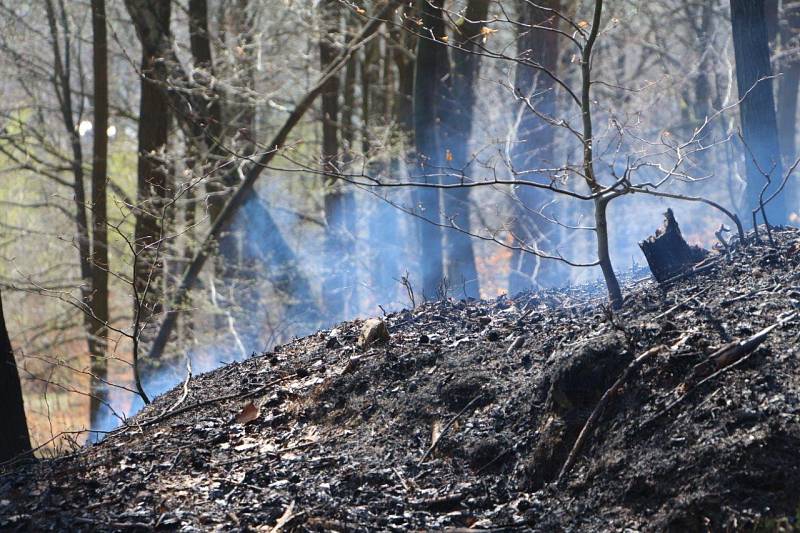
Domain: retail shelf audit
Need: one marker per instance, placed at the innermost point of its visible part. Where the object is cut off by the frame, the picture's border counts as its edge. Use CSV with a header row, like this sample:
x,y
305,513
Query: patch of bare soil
x,y
466,416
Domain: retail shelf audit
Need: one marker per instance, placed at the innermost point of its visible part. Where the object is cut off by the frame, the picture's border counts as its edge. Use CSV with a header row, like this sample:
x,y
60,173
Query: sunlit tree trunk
x,y
14,438
430,70
532,145
757,107
458,118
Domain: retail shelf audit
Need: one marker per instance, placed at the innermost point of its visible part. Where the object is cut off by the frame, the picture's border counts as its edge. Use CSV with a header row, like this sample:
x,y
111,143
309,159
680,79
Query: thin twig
x,y
446,427
595,416
185,386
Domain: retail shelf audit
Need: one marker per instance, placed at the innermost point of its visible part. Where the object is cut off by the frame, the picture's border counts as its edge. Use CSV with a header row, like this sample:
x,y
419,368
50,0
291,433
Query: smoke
x,y
292,271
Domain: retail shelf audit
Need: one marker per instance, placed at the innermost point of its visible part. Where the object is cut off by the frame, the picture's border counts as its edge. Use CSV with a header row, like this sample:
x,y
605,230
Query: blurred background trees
x,y
128,127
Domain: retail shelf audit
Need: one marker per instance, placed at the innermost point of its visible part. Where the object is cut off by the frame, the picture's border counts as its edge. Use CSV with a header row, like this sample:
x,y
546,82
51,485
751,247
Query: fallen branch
x,y
588,427
185,386
730,353
726,358
238,395
446,427
679,305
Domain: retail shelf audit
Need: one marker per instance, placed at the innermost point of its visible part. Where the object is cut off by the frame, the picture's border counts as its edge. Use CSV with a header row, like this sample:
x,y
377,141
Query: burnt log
x,y
667,253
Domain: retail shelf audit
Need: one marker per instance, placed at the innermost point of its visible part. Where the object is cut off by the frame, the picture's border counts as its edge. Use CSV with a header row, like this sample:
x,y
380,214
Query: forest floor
x,y
339,438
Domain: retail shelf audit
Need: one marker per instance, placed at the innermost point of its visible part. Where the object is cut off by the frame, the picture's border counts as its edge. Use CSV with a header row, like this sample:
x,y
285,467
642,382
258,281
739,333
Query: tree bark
x,y
757,107
335,284
432,65
458,119
152,23
99,210
14,439
788,83
532,146
93,297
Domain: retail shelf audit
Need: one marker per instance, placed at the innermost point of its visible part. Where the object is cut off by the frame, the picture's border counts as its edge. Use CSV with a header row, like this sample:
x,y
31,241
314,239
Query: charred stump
x,y
667,253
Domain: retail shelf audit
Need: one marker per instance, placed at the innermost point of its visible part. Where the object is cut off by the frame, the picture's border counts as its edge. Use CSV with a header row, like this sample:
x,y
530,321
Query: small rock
x,y
374,331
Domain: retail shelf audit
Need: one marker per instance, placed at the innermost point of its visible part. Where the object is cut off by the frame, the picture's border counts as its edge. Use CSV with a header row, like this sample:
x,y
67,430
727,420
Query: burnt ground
x,y
341,435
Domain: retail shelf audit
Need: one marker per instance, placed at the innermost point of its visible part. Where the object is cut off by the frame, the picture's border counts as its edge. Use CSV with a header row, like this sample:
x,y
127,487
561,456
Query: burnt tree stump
x,y
667,253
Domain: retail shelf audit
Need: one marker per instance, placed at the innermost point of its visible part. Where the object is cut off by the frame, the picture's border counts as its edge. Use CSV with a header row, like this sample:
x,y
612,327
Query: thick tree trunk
x,y
432,66
14,438
757,107
532,146
458,118
99,210
788,83
152,23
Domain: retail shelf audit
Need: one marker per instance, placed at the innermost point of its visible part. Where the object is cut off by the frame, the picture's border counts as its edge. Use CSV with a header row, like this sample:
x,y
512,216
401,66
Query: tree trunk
x,y
788,83
14,438
757,107
99,210
152,23
532,146
334,286
458,118
431,68
92,300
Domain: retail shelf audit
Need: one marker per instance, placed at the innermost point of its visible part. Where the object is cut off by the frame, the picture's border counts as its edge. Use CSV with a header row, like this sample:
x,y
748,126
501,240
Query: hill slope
x,y
342,437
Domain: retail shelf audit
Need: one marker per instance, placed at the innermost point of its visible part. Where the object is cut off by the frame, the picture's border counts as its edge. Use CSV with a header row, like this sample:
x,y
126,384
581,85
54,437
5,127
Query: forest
x,y
379,265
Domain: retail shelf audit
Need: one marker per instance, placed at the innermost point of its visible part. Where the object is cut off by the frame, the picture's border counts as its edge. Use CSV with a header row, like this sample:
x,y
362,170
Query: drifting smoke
x,y
283,278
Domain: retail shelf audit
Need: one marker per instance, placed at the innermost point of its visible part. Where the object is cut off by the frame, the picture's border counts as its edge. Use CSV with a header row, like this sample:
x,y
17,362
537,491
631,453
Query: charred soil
x,y
465,417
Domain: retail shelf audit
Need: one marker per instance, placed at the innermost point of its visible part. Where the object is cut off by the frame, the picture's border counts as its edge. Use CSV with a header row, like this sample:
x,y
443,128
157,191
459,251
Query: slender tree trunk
x,y
431,67
380,238
458,119
757,108
532,146
14,438
600,203
93,295
99,209
334,287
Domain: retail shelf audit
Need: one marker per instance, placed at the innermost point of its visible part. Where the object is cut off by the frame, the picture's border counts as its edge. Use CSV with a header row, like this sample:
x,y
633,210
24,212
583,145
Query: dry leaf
x,y
486,32
248,414
360,11
443,38
448,155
